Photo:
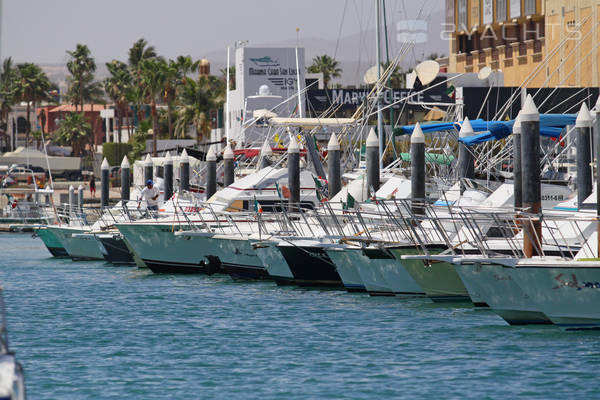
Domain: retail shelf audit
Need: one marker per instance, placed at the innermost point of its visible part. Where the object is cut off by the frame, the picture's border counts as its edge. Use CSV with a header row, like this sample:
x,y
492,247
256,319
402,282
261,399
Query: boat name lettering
x,y
574,283
553,197
272,71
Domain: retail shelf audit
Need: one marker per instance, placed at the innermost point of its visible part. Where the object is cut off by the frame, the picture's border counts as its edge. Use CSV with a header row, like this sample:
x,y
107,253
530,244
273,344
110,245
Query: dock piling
x,y
71,200
584,124
517,168
466,165
125,179
80,197
148,168
294,173
211,172
105,182
334,179
228,166
417,162
531,185
168,169
372,147
184,171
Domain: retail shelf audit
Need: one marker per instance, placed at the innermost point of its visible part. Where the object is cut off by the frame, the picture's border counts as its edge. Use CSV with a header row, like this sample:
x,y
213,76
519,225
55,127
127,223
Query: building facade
x,y
535,43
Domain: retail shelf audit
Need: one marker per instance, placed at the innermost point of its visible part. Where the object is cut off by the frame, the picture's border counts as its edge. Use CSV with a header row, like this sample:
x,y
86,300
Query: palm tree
x,y
117,86
153,75
397,77
231,76
32,87
81,66
326,65
139,51
176,76
197,99
8,91
74,130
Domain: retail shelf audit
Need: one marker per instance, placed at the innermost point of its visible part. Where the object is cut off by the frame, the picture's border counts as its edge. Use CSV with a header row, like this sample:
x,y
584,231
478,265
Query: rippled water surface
x,y
89,330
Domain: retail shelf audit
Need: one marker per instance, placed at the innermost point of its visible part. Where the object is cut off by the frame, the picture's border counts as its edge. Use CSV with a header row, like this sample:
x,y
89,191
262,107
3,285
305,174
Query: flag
x,y
451,91
257,207
321,189
560,140
349,202
278,141
392,195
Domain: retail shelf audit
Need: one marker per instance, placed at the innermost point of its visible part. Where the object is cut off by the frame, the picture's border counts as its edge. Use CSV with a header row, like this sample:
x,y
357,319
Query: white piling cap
x,y
333,144
148,160
79,188
228,153
517,125
417,134
168,159
183,158
293,146
466,129
529,112
584,118
105,164
597,110
266,149
372,139
125,162
212,154
71,188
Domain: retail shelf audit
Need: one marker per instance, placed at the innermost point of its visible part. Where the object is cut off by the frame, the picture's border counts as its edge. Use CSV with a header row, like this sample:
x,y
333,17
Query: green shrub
x,y
114,152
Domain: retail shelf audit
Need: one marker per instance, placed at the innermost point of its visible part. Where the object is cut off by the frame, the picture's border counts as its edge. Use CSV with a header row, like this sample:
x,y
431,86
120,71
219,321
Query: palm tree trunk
x,y
154,128
28,126
170,118
118,121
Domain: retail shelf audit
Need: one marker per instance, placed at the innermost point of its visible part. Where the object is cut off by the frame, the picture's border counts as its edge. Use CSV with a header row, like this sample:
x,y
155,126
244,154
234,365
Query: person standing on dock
x,y
92,185
150,193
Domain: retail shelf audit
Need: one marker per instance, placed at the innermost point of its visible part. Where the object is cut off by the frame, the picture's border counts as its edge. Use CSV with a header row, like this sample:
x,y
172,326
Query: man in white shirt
x,y
150,193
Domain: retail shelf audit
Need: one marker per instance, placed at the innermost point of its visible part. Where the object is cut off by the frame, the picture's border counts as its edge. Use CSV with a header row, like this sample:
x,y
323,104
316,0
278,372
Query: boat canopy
x,y
551,125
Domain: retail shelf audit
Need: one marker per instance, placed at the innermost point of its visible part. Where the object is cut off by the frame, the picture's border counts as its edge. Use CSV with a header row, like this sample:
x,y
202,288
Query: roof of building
x,y
71,108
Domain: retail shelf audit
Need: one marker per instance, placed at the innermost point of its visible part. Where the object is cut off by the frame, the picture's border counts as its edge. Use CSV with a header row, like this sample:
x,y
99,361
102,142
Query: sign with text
x,y
352,98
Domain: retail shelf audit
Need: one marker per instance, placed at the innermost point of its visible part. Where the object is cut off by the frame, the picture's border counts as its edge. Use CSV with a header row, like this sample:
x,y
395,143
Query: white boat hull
x,y
347,269
493,285
162,250
273,261
568,295
78,248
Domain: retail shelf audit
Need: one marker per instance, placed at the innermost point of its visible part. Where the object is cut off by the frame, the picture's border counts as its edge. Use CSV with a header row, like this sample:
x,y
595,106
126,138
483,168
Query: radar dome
x,y
264,90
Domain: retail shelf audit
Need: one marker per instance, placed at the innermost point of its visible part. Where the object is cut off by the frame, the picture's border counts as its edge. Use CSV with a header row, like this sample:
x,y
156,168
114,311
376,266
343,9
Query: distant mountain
x,y
356,52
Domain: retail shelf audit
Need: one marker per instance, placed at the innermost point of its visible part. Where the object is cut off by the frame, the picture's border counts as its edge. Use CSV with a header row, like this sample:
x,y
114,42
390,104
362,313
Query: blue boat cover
x,y
551,125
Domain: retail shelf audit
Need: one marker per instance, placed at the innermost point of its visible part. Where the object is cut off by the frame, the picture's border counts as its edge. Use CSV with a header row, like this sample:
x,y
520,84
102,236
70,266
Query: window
x,y
462,15
21,125
500,10
530,7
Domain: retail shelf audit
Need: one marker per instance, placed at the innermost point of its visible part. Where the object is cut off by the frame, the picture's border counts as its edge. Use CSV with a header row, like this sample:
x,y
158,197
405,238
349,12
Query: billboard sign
x,y
274,67
352,98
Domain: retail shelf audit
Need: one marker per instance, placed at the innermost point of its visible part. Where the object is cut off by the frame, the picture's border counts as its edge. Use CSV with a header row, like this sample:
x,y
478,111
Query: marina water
x,y
96,331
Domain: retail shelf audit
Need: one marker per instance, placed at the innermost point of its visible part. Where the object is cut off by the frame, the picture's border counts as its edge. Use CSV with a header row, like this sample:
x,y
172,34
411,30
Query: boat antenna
x,y
300,109
227,99
379,114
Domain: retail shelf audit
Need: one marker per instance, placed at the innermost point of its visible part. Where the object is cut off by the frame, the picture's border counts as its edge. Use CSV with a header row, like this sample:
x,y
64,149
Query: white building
x,y
266,83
